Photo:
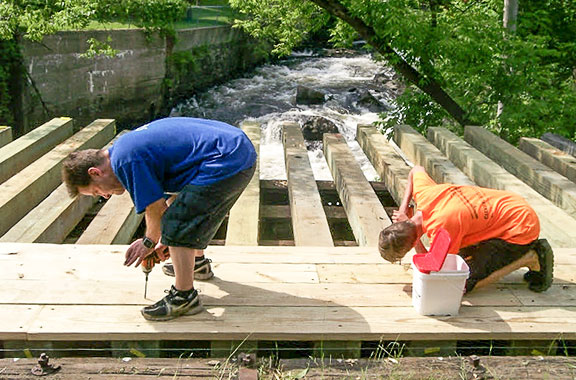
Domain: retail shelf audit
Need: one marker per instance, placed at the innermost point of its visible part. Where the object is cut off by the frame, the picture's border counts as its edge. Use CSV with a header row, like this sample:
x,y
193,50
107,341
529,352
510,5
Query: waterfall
x,y
268,96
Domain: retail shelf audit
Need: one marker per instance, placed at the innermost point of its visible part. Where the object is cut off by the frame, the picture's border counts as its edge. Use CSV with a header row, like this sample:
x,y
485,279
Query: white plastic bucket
x,y
440,293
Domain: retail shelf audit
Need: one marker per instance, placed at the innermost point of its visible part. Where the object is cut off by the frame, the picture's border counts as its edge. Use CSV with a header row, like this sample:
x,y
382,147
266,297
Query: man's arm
x,y
402,213
153,215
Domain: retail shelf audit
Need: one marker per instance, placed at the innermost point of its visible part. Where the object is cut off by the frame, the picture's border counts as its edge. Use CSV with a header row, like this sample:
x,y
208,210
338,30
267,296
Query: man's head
x,y
397,239
89,172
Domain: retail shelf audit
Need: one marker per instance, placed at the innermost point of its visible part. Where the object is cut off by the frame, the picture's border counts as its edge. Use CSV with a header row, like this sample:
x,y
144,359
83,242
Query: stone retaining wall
x,y
147,75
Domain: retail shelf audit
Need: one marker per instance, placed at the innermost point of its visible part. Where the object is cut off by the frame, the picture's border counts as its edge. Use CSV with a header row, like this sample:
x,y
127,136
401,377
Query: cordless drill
x,y
148,263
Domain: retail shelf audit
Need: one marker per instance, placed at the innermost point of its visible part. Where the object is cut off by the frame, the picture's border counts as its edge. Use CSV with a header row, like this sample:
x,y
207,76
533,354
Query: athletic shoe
x,y
542,280
175,304
202,269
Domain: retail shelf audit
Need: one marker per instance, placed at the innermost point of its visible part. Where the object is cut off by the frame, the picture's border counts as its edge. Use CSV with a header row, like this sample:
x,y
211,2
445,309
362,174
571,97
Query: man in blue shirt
x,y
185,174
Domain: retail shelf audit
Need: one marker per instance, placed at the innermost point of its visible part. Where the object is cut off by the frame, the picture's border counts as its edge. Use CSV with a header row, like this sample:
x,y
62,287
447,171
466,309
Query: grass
x,y
196,17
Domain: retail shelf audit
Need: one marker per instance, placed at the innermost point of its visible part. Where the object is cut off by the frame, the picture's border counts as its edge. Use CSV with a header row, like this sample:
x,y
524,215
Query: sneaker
x,y
175,304
202,269
542,280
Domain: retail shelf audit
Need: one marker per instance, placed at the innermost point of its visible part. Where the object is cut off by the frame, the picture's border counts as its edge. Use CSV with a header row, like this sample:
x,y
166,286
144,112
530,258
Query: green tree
x,y
453,54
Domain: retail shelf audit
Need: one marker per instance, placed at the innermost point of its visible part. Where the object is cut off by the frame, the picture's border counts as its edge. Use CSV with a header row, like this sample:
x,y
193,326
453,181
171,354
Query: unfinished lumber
x,y
366,214
556,225
25,190
424,153
5,135
544,180
18,154
562,162
389,165
52,220
309,221
242,228
115,223
560,142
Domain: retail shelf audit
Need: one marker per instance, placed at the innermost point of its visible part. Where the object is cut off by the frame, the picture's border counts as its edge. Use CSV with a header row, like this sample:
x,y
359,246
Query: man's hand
x,y
401,215
137,252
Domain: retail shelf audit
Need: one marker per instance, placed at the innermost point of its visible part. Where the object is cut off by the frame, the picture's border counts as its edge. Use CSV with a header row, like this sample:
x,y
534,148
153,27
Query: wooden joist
x,y
560,142
243,220
309,222
563,163
366,214
262,293
389,165
544,180
556,225
5,135
25,190
115,223
52,220
423,153
18,154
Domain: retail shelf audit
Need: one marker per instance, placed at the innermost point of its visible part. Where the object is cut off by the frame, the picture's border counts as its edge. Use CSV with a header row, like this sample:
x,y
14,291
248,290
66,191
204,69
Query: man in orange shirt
x,y
495,231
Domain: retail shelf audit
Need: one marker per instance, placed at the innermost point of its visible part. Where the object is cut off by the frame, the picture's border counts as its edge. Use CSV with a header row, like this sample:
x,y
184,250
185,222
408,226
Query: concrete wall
x,y
136,85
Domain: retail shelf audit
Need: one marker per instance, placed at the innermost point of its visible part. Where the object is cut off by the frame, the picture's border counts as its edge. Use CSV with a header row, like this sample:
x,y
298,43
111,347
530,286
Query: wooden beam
x,y
560,142
308,219
389,165
52,220
18,154
366,214
563,163
561,191
424,153
115,223
556,225
5,135
27,189
243,220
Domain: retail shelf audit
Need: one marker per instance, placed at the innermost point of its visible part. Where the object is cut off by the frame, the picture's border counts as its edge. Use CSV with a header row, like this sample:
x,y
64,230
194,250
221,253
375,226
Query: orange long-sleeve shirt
x,y
473,214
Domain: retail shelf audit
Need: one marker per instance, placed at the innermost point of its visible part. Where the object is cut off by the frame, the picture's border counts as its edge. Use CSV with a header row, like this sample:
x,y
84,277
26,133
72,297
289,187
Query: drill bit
x,y
146,285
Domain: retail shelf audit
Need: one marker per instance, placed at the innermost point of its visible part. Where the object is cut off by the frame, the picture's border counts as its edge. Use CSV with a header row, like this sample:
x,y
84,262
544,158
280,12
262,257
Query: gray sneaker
x,y
202,270
175,304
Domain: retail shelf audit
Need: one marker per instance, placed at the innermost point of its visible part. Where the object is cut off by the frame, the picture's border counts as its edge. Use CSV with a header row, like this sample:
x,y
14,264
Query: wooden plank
x,y
52,220
556,225
560,142
244,217
80,323
5,135
18,154
308,219
424,153
27,189
115,223
563,163
550,184
388,164
16,320
366,214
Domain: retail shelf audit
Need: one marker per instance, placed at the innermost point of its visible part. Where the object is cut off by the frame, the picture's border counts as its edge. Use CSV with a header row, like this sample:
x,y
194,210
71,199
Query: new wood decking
x,y
332,296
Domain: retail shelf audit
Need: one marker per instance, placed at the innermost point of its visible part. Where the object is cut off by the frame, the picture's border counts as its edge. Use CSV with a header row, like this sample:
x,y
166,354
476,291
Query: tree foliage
x,y
32,19
459,44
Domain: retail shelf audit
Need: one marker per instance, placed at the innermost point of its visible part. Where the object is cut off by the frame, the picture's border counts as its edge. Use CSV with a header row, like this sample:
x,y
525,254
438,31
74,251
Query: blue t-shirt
x,y
168,154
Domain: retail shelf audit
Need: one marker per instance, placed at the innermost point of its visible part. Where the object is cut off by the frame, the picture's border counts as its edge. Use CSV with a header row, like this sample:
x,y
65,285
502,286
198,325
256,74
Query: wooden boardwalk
x,y
330,288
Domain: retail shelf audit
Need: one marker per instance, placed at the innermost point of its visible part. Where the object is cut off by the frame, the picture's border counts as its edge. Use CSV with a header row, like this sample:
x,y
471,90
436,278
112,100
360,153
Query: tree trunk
x,y
428,85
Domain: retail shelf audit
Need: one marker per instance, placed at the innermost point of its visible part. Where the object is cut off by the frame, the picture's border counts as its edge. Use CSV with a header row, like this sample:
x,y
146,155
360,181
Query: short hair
x,y
397,239
75,168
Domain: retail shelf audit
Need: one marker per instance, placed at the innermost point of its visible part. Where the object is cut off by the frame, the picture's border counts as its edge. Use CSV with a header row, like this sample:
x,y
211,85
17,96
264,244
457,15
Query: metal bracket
x,y
43,368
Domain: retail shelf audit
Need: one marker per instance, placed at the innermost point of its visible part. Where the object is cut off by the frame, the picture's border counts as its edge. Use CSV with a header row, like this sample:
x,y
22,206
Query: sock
x,y
199,258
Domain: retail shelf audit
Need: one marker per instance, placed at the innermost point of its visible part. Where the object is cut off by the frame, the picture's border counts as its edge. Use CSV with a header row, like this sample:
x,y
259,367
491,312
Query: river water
x,y
267,95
